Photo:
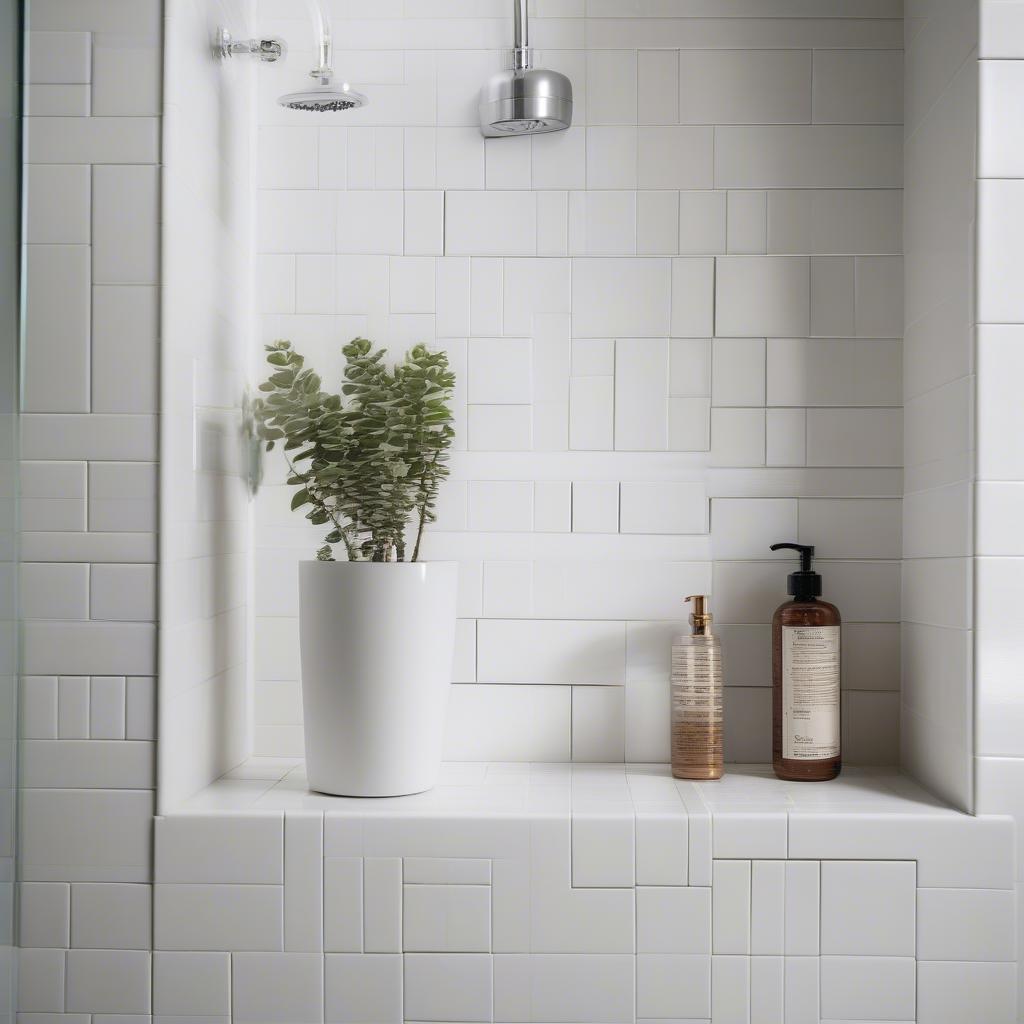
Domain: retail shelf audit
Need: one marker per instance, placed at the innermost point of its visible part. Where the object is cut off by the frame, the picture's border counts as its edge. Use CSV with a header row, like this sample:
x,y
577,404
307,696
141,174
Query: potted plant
x,y
377,626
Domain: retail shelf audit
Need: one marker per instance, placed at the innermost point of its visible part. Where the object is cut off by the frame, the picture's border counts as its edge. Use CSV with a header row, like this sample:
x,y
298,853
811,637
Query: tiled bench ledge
x,y
603,894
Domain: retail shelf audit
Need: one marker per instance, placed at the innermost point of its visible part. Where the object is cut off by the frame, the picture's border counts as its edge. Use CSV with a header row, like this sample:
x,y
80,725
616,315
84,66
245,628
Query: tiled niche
x,y
677,333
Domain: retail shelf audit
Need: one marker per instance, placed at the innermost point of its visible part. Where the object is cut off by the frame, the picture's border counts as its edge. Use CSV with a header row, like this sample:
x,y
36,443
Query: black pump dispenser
x,y
804,585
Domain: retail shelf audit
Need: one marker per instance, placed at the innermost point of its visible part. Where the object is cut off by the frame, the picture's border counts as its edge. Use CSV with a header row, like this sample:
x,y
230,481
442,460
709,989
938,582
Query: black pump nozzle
x,y
804,585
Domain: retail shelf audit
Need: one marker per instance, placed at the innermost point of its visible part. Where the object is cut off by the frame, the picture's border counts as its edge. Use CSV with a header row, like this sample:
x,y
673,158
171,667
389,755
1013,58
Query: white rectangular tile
x,y
111,916
730,901
641,369
361,987
277,987
803,901
868,987
303,882
108,981
382,904
218,917
446,918
673,919
237,849
343,904
192,984
448,986
965,925
767,907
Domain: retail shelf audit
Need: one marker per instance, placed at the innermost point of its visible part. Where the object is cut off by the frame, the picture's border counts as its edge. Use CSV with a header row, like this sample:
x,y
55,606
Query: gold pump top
x,y
700,618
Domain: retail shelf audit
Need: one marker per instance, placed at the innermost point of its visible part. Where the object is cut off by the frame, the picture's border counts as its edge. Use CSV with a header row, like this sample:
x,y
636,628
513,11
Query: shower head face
x,y
525,102
324,99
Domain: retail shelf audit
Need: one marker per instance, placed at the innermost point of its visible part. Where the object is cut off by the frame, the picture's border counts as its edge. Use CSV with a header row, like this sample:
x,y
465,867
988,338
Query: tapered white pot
x,y
377,640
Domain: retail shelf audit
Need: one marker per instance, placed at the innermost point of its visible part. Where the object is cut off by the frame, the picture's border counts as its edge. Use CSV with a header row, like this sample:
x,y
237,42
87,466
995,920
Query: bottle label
x,y
810,692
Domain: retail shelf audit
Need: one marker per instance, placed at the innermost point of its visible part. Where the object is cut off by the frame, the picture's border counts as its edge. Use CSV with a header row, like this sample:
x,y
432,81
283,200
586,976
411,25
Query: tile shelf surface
x,y
583,894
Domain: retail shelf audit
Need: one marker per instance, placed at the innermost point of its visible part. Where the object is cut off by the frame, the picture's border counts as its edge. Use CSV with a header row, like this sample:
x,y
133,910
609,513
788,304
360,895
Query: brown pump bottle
x,y
805,679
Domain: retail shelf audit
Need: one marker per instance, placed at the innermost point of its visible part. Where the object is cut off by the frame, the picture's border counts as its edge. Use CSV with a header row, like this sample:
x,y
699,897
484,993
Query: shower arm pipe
x,y
322,42
521,59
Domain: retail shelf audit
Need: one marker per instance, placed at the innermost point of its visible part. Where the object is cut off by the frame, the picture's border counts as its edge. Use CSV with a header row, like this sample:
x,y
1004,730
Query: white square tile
x,y
662,855
949,992
447,986
673,986
966,925
738,371
58,204
60,57
424,223
500,371
858,87
108,916
602,223
500,223
702,222
122,593
287,157
500,506
45,915
673,919
689,426
41,982
369,222
192,984
737,437
674,156
362,987
125,82
766,296
507,162
108,981
657,223
447,918
316,280
552,506
499,428
602,851
611,154
868,988
560,159
283,988
628,298
747,222
595,506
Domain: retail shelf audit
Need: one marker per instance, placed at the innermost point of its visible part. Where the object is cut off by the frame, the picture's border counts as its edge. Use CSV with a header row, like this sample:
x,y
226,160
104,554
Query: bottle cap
x,y
804,585
700,617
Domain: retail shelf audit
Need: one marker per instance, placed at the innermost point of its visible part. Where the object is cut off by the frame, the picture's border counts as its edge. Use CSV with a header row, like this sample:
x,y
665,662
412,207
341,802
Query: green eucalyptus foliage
x,y
367,461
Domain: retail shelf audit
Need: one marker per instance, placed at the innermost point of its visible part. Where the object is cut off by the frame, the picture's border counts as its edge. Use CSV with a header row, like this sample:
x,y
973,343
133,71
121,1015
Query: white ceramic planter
x,y
377,641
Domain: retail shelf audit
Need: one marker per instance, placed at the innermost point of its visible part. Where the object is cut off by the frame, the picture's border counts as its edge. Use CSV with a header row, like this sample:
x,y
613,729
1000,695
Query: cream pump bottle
x,y
805,679
697,698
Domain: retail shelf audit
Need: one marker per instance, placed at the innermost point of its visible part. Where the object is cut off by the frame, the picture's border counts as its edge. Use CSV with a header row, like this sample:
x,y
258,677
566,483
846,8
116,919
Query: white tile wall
x,y
701,276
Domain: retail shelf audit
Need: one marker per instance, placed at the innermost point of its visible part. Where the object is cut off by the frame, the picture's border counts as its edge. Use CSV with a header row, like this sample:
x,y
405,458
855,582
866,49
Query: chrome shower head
x,y
525,100
323,97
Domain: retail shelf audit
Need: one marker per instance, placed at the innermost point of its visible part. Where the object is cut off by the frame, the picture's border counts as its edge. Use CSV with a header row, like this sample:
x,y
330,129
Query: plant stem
x,y
325,508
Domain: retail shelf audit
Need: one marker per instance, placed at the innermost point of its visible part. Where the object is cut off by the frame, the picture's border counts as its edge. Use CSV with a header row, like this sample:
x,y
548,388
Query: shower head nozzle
x,y
324,99
525,100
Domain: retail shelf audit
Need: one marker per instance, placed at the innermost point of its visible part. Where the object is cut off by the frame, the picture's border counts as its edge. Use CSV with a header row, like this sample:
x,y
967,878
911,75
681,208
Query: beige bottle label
x,y
810,692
